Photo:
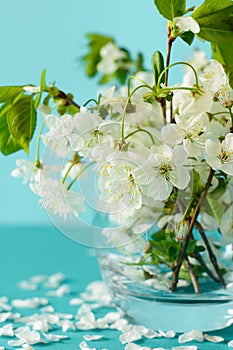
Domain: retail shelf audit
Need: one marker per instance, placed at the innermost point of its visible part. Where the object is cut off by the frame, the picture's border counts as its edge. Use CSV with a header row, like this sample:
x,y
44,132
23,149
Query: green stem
x,y
231,114
141,130
77,176
125,108
187,211
90,100
37,158
98,103
176,64
169,88
69,169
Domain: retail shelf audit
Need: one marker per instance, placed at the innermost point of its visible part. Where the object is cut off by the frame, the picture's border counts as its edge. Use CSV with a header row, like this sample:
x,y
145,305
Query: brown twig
x,y
211,253
164,110
199,258
176,270
168,57
67,100
193,276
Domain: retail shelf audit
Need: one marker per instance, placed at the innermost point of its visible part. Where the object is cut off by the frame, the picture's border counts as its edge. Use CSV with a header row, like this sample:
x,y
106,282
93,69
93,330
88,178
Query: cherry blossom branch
x,y
199,258
68,101
211,253
168,57
170,41
193,276
177,268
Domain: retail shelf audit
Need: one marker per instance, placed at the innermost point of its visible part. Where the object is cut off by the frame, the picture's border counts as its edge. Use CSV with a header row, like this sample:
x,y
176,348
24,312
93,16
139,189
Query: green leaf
x,y
43,87
158,66
215,18
21,121
8,145
171,8
91,60
106,78
216,207
9,93
223,52
187,37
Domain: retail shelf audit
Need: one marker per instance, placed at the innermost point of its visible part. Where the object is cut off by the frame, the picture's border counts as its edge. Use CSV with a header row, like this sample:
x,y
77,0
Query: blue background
x,y
51,34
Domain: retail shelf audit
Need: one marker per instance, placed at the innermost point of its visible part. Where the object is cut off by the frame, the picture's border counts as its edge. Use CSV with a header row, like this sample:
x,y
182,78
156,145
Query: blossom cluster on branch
x,y
162,154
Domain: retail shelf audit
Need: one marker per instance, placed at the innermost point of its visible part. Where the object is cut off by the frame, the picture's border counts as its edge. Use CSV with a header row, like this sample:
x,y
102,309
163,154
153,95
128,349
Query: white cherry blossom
x,y
110,53
62,202
165,168
219,155
92,131
59,137
190,130
187,23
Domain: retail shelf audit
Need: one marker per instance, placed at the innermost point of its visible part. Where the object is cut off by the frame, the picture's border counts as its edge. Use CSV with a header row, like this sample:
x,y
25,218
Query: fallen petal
x,y
92,337
192,335
213,338
55,337
83,346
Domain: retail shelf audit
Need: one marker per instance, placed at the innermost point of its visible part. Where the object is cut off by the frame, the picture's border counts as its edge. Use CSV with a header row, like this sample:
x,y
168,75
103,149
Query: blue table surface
x,y
29,251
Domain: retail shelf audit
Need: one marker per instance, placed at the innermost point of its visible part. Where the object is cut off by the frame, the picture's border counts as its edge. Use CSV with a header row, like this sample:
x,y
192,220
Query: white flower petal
x,y
168,334
7,330
132,346
187,23
27,285
83,346
130,336
54,337
92,337
16,342
29,303
192,347
213,338
192,335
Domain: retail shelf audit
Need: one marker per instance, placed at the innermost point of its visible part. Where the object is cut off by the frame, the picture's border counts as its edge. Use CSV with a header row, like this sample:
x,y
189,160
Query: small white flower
x,y
60,134
165,168
120,177
213,76
219,155
188,130
187,23
110,53
33,174
62,202
92,131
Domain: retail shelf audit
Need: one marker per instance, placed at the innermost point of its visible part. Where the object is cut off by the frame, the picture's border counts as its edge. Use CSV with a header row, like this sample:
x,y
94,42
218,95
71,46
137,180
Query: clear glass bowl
x,y
180,311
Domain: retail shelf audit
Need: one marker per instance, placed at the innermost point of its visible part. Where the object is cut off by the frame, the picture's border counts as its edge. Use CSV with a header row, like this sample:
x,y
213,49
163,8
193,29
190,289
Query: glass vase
x,y
145,297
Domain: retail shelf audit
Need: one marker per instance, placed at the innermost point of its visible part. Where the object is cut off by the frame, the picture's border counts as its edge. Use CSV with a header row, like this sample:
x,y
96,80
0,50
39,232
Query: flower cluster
x,y
162,155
